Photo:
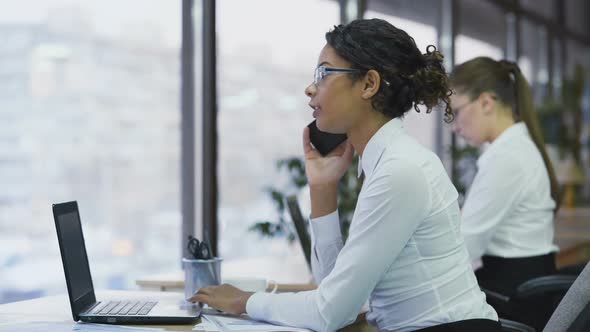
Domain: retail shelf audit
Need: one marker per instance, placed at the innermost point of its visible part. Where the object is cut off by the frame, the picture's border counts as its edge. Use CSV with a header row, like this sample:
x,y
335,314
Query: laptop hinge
x,y
89,308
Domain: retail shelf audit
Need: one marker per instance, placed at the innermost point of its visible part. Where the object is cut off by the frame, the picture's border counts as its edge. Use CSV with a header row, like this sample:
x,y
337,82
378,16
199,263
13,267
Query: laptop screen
x,y
74,254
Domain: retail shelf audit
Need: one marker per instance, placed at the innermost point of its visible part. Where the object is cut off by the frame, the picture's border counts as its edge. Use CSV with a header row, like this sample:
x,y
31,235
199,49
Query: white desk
x,y
56,309
291,275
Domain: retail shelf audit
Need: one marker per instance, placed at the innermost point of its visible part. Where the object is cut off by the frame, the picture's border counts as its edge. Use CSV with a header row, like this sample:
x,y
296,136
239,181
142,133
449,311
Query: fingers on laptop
x,y
202,295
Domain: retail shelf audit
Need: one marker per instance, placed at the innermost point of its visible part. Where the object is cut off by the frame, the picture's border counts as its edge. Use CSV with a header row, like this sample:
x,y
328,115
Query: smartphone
x,y
324,142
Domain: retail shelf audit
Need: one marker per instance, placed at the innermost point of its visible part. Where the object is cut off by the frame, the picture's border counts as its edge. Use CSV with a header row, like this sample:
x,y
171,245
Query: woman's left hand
x,y
226,298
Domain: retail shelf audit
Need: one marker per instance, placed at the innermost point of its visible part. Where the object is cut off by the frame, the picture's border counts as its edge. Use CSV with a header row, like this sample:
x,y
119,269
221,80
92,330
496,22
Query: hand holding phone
x,y
322,141
324,173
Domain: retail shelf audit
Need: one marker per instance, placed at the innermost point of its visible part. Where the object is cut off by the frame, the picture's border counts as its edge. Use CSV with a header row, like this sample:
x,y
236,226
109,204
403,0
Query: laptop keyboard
x,y
121,308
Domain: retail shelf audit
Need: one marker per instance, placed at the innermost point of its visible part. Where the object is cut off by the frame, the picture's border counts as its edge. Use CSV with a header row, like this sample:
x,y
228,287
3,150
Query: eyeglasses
x,y
199,249
457,109
323,71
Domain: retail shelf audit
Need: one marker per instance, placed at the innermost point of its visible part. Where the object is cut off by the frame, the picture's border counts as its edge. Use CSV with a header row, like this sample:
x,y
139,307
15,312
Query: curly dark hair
x,y
410,77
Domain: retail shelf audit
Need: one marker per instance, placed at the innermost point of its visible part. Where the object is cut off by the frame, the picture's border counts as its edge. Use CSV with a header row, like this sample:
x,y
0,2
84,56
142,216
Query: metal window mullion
x,y
351,10
542,74
209,160
446,41
511,52
187,164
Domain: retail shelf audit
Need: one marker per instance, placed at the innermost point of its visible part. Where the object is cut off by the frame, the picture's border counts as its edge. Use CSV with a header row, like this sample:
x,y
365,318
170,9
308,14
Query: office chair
x,y
513,326
534,302
573,312
582,322
301,224
573,270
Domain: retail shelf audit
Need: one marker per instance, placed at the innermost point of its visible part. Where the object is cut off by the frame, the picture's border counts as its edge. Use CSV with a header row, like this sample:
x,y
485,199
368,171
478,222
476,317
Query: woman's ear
x,y
487,102
370,84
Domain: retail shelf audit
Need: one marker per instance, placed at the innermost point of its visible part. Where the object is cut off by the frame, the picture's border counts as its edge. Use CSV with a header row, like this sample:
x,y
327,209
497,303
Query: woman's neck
x,y
361,133
503,122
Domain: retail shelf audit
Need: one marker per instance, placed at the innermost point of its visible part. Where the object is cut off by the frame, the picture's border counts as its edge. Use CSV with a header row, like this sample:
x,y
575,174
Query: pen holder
x,y
200,273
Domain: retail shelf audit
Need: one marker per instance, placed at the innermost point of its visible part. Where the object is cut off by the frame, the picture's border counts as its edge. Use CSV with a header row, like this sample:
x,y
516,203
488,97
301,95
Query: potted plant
x,y
348,190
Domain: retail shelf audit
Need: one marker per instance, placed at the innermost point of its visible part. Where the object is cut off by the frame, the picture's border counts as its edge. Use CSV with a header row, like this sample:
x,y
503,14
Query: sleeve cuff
x,y
256,304
326,229
476,264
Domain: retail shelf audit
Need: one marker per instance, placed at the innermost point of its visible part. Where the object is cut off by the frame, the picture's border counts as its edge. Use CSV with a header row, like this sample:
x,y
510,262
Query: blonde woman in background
x,y
510,207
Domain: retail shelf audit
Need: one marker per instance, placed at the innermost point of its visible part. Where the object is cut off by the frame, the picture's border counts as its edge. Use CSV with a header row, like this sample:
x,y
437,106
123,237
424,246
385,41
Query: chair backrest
x,y
537,299
582,322
573,312
513,326
545,284
534,302
300,227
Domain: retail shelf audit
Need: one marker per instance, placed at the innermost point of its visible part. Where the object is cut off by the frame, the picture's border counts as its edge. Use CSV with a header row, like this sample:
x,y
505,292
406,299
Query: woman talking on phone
x,y
509,209
405,253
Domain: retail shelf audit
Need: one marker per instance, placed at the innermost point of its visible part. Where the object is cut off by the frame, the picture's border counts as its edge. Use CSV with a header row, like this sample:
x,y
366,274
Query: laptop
x,y
83,302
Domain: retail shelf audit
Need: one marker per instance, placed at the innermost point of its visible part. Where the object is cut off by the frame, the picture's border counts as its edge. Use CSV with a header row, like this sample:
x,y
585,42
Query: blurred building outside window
x,y
89,111
263,68
421,126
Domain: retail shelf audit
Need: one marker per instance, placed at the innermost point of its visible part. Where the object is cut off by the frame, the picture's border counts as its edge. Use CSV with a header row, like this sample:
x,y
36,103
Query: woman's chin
x,y
323,127
321,124
328,127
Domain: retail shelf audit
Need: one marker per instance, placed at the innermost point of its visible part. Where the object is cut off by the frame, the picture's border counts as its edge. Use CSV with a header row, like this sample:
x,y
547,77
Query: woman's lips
x,y
316,111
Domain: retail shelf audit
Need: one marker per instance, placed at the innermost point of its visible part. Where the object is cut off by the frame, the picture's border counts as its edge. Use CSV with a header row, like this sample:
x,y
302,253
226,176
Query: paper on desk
x,y
224,323
69,327
107,327
206,325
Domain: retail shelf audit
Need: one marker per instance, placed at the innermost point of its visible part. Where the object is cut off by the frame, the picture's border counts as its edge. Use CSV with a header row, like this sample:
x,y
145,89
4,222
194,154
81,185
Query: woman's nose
x,y
310,90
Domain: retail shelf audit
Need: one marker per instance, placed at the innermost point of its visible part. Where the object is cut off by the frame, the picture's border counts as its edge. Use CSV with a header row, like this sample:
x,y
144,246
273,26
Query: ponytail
x,y
523,110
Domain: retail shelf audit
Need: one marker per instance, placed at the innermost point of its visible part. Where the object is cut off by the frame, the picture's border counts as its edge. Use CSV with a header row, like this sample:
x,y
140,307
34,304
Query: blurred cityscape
x,y
91,119
96,119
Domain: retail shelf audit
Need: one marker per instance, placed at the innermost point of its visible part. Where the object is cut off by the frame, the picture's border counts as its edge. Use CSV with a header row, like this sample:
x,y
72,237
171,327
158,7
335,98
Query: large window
x,y
482,31
577,55
534,58
418,19
89,111
576,12
545,8
264,66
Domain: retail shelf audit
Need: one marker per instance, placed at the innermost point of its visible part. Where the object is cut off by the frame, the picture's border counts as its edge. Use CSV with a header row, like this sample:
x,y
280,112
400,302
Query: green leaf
x,y
264,228
279,199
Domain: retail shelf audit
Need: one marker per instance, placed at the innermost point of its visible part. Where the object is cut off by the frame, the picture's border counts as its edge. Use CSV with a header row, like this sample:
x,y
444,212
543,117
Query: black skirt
x,y
504,275
468,325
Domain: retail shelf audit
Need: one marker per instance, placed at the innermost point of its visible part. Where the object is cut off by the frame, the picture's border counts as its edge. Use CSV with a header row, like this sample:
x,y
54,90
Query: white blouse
x,y
405,253
508,211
